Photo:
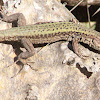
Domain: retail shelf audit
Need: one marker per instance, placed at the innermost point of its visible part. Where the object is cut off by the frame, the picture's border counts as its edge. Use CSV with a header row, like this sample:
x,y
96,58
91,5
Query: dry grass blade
x,y
88,13
96,12
76,6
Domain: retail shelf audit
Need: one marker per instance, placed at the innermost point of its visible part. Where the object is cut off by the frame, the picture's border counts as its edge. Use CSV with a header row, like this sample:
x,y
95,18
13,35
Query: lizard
x,y
48,32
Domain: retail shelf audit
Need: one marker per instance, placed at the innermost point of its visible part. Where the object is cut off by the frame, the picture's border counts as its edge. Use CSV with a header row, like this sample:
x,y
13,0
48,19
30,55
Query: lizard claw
x,y
13,63
17,72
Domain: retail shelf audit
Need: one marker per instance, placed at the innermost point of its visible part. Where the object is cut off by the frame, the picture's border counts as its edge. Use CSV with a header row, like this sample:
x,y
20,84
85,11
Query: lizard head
x,y
96,43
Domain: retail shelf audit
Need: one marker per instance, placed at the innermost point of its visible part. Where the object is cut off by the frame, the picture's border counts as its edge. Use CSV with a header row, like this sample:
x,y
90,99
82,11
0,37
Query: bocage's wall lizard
x,y
51,32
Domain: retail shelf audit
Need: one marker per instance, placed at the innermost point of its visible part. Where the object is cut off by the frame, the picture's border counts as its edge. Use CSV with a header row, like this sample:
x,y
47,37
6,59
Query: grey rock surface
x,y
55,72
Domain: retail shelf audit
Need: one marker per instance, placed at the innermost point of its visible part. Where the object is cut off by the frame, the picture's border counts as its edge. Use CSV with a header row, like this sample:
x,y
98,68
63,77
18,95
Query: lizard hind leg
x,y
24,55
29,49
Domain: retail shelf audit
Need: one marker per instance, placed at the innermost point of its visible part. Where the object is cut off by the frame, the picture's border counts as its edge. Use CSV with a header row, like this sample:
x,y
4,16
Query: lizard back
x,y
47,32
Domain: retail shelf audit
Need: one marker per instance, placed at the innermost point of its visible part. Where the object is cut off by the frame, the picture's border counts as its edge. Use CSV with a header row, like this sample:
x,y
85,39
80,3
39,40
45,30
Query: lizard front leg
x,y
76,45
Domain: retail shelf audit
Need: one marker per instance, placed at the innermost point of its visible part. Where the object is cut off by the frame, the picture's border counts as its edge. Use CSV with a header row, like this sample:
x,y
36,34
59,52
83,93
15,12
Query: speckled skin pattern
x,y
52,32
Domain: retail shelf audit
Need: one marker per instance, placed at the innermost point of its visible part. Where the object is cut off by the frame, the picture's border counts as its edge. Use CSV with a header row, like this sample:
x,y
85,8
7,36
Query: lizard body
x,y
52,32
46,33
